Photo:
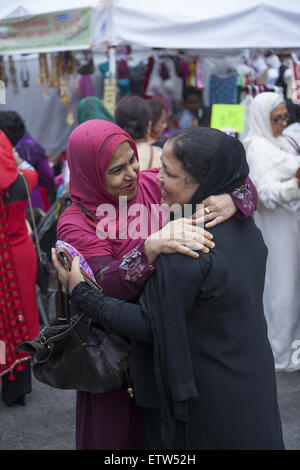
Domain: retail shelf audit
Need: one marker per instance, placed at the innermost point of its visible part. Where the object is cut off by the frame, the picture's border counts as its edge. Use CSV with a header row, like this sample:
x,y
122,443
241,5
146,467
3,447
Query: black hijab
x,y
173,364
228,165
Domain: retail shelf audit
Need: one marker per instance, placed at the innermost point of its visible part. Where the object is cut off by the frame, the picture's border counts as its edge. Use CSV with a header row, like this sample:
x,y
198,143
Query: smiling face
x,y
177,186
279,119
121,175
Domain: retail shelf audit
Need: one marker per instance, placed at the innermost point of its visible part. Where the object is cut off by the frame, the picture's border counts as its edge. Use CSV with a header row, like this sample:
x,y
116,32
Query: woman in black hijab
x,y
202,367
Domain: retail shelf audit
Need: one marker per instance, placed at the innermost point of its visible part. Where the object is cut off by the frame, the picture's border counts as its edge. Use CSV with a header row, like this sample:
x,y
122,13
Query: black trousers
x,y
14,390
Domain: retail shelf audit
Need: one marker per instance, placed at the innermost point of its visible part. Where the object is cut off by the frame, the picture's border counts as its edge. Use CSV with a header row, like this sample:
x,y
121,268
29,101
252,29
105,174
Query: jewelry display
x,y
62,70
25,75
13,75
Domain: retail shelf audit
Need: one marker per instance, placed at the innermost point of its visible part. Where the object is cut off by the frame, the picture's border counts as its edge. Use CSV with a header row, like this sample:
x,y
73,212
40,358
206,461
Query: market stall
x,y
46,63
230,50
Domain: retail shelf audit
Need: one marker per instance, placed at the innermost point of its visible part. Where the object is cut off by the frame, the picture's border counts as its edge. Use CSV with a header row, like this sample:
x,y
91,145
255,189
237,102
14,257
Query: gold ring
x,y
206,210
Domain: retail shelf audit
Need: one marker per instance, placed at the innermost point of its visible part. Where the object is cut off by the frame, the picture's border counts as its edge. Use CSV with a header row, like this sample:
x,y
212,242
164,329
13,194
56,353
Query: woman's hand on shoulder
x,y
179,236
217,209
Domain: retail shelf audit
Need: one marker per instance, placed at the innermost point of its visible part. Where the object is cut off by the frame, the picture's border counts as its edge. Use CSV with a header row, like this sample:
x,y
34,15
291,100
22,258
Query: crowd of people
x,y
211,312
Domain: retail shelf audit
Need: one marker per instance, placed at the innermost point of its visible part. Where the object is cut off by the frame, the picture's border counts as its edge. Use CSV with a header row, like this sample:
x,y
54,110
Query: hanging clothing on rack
x,y
137,78
164,79
223,88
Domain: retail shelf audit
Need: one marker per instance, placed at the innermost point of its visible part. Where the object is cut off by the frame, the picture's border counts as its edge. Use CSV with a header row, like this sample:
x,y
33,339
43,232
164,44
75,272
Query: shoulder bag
x,y
72,353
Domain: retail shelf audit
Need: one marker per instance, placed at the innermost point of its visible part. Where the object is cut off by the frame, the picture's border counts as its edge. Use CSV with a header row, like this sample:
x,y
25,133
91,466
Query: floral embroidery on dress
x,y
134,265
244,194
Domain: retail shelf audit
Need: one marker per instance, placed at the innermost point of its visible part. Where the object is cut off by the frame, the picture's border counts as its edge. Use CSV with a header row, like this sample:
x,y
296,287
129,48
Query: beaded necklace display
x,y
62,70
13,75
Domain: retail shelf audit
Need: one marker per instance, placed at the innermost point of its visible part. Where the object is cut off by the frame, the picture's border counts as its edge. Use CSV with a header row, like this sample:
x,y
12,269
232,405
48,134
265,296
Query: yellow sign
x,y
227,116
109,95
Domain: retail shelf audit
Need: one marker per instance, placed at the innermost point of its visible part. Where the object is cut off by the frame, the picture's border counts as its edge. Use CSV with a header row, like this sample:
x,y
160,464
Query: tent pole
x,y
112,62
110,83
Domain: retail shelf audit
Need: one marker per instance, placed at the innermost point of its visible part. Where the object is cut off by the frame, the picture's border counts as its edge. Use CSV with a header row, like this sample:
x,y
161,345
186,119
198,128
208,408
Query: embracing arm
x,y
132,320
122,278
241,203
122,317
245,199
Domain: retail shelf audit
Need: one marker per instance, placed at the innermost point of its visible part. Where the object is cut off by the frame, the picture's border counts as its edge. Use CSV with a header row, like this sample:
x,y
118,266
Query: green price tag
x,y
227,116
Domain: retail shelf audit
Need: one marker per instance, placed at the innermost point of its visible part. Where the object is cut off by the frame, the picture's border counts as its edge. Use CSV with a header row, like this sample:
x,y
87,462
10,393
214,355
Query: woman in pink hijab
x,y
104,166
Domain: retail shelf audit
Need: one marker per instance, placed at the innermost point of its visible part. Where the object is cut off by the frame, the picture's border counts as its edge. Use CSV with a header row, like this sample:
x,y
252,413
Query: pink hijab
x,y
90,148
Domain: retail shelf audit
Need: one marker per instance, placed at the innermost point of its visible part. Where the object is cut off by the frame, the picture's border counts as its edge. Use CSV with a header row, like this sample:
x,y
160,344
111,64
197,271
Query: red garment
x,y
147,76
91,146
19,319
24,256
45,198
9,172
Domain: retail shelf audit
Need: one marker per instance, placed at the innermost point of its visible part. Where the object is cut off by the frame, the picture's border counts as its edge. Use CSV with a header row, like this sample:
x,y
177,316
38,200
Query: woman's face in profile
x,y
121,175
177,186
279,119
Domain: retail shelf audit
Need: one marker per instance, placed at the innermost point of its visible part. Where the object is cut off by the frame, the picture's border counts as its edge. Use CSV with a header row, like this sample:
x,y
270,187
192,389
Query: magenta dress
x,y
112,420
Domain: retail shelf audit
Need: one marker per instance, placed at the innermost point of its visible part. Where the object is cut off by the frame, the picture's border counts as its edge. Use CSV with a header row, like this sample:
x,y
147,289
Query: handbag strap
x,y
32,216
86,211
62,303
58,337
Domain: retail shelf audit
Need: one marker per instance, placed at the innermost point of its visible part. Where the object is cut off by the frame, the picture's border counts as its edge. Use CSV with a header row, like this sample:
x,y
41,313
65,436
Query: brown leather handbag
x,y
72,353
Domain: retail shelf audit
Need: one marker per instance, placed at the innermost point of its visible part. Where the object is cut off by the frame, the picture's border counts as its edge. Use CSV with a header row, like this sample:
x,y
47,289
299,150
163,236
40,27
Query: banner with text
x,y
57,31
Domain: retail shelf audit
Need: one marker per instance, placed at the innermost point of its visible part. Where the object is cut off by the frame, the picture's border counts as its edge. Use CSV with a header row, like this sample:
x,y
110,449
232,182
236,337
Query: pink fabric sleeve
x,y
245,198
122,278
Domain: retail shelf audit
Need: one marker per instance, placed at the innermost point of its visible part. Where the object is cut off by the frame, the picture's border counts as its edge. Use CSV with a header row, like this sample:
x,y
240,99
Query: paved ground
x,y
47,422
289,402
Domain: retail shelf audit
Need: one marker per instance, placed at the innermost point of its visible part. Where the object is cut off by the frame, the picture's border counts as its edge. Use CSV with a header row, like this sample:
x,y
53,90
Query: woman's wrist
x,y
151,249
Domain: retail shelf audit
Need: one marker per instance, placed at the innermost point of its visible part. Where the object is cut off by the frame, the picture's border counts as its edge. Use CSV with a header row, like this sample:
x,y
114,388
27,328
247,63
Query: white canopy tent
x,y
216,24
210,27
192,24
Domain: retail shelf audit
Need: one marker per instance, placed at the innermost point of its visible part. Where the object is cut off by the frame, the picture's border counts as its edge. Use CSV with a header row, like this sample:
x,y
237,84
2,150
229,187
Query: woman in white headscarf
x,y
273,165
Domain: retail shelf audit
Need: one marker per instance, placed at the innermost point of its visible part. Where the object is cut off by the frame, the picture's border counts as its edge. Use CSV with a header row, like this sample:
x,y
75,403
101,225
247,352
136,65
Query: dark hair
x,y
190,90
189,147
132,115
12,125
156,108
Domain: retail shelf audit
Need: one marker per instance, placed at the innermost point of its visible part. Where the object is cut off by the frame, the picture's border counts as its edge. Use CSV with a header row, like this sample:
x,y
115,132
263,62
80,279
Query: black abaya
x,y
202,364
